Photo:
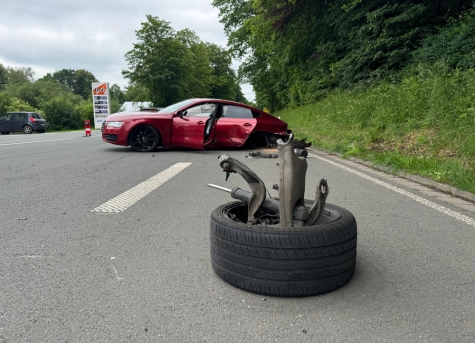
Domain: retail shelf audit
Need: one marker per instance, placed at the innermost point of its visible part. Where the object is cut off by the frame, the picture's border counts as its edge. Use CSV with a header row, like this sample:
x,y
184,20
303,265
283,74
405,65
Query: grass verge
x,y
424,124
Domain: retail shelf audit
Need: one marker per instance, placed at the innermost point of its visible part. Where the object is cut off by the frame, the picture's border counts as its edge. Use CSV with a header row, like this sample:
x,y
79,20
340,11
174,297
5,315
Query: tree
x,y
16,105
18,76
196,67
86,111
3,77
79,81
157,62
224,82
40,91
136,93
239,95
5,100
116,93
62,114
295,51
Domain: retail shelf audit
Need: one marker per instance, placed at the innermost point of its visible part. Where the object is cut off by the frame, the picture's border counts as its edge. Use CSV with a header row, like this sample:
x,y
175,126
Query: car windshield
x,y
178,105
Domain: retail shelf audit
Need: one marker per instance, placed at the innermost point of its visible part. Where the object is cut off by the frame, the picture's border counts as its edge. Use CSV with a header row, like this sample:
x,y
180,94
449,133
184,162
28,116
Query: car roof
x,y
230,102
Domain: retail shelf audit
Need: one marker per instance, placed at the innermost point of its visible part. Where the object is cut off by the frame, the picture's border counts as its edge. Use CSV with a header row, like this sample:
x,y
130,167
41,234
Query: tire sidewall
x,y
340,229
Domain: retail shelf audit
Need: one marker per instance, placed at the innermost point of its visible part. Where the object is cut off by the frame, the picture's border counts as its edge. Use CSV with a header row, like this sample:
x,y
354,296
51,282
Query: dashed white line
x,y
128,198
46,140
442,209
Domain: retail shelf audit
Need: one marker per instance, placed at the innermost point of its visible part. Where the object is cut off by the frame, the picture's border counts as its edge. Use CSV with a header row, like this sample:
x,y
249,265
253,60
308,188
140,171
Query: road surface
x,y
102,244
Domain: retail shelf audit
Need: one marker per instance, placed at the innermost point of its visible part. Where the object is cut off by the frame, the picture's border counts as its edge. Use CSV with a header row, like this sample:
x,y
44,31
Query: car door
x,y
189,125
16,122
5,123
234,126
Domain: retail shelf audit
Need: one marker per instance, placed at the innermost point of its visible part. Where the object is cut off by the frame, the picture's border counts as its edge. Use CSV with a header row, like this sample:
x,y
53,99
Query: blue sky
x,y
51,35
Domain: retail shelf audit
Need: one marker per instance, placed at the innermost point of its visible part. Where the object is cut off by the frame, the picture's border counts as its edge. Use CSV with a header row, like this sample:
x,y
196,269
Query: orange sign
x,y
100,90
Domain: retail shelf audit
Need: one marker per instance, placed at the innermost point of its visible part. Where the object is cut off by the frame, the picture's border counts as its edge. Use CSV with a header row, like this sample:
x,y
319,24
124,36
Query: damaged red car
x,y
197,124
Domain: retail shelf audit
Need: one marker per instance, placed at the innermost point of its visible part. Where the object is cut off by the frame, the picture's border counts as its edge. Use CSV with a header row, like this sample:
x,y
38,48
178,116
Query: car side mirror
x,y
181,114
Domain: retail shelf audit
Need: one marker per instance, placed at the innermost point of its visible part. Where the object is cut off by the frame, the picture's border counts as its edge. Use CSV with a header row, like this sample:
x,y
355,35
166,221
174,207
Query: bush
x,y
62,114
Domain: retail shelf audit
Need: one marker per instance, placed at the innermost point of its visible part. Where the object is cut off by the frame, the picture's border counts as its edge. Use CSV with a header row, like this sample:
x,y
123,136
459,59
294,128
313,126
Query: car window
x,y
230,111
36,116
201,110
5,117
177,106
22,116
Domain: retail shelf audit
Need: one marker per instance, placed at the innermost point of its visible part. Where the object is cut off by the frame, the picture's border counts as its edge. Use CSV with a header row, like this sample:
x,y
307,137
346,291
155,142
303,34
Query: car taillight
x,y
32,119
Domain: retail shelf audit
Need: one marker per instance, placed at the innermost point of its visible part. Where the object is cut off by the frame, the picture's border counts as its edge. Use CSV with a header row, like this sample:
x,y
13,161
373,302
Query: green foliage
x,y
157,61
38,92
454,45
137,93
63,109
116,93
79,81
9,103
16,105
294,52
5,100
423,124
86,111
197,67
62,114
18,76
223,79
173,65
3,77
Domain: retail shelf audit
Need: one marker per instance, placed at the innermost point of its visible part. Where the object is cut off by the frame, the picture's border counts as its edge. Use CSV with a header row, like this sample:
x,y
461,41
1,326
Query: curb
x,y
419,179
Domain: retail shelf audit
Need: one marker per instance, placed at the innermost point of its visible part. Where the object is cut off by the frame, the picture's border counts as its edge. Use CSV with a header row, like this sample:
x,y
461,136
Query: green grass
x,y
424,124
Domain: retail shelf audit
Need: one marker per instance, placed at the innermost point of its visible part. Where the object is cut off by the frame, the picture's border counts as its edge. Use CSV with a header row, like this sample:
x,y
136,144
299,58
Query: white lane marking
x,y
128,198
47,140
419,199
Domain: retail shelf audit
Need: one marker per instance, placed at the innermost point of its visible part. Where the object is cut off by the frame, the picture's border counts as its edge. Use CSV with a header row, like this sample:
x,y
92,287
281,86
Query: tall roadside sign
x,y
101,101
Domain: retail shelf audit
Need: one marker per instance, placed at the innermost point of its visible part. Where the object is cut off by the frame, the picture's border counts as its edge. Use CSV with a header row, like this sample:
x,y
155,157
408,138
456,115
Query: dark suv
x,y
22,121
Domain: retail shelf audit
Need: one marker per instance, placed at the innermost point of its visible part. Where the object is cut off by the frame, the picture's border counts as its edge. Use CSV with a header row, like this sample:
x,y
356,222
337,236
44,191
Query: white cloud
x,y
51,35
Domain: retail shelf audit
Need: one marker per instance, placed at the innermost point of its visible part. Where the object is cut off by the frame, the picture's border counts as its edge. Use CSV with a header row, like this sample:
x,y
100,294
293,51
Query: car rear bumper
x,y
37,126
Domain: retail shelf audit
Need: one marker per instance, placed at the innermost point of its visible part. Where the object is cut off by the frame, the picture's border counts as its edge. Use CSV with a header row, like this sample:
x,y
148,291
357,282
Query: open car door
x,y
190,126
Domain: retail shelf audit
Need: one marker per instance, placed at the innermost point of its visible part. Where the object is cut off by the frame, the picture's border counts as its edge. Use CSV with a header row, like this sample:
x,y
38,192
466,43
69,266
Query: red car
x,y
194,123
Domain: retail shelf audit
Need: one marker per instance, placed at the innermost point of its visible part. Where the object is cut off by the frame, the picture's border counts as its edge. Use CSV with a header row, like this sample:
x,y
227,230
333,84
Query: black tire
x,y
286,262
144,138
27,129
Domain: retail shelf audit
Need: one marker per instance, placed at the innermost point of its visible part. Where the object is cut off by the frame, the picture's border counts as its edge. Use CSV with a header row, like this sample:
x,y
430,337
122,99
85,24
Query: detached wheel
x,y
144,138
27,129
285,262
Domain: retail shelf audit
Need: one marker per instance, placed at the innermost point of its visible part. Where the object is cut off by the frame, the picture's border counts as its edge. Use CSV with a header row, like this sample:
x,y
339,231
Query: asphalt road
x,y
68,274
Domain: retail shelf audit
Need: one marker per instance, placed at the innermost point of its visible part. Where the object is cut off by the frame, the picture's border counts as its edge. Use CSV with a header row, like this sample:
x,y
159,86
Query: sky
x,y
51,35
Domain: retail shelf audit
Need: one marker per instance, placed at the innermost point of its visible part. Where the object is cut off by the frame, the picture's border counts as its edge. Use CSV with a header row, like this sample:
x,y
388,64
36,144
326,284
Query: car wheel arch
x,y
142,124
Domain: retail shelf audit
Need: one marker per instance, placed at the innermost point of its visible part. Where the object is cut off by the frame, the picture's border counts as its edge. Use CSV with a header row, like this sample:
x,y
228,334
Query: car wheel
x,y
262,139
27,129
287,262
144,138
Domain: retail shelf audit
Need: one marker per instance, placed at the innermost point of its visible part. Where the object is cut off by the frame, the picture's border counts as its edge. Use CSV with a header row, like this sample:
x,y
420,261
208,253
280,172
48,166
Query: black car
x,y
26,122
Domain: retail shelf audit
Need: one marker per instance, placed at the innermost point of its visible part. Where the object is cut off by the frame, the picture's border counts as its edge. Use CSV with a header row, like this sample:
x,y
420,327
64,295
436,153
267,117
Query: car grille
x,y
111,138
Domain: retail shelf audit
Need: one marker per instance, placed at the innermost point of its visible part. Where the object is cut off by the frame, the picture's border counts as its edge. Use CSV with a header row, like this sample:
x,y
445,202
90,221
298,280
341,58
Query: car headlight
x,y
115,124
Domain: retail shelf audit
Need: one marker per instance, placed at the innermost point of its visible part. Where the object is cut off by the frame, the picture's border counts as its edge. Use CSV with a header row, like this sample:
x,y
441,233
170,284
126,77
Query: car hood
x,y
124,116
